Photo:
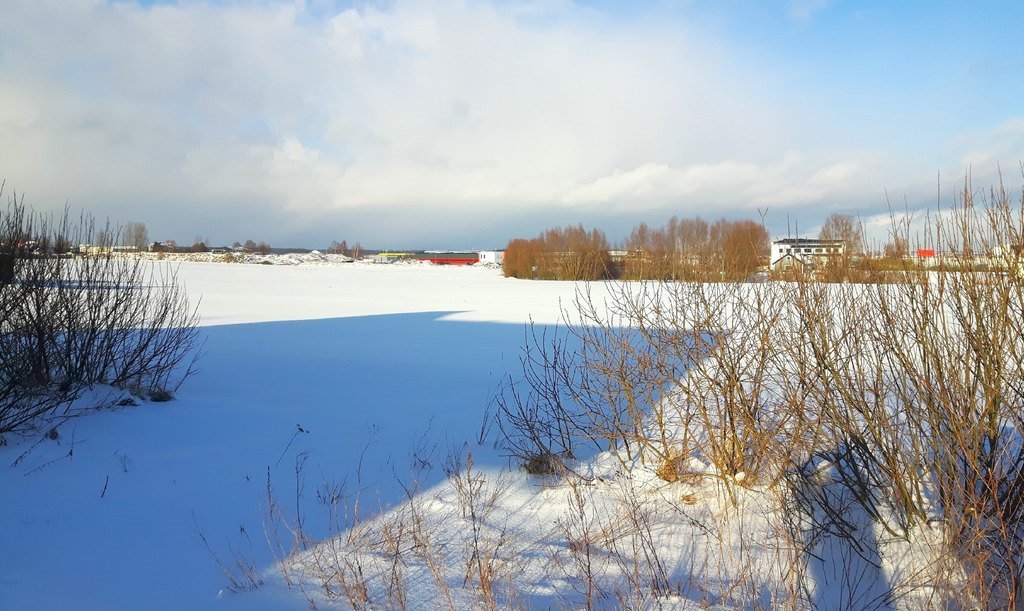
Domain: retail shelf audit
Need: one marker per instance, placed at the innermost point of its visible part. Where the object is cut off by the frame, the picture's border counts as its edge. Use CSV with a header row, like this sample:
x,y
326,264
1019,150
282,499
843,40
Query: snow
x,y
369,382
361,357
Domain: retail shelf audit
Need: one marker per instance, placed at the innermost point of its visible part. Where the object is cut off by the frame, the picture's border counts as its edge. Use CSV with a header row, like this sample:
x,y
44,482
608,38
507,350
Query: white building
x,y
804,252
494,257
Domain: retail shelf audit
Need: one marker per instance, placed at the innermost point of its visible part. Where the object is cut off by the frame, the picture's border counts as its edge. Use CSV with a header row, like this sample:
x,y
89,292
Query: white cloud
x,y
804,9
791,181
988,147
448,105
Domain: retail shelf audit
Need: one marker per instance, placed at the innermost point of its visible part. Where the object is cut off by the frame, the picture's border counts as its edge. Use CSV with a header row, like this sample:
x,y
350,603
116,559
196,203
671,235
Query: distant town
x,y
684,249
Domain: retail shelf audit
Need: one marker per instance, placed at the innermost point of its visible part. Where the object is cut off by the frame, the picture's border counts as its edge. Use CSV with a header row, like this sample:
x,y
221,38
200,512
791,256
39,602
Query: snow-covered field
x,y
360,382
338,363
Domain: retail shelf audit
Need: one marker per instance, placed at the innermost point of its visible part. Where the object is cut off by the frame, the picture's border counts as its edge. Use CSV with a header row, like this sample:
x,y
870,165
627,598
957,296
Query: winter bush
x,y
69,321
897,404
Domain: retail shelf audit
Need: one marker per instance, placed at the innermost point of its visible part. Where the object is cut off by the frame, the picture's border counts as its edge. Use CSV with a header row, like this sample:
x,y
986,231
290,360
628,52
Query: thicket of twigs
x,y
876,411
69,323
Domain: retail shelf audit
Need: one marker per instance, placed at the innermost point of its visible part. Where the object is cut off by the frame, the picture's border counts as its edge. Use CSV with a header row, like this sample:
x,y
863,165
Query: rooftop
x,y
808,241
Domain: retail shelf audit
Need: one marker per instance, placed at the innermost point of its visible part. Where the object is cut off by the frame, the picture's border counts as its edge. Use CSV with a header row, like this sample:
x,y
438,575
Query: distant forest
x,y
682,249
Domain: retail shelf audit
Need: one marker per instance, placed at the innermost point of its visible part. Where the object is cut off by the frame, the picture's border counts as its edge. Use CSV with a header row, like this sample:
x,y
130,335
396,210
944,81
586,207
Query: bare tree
x,y
571,253
744,246
106,238
898,248
135,235
200,244
846,228
260,248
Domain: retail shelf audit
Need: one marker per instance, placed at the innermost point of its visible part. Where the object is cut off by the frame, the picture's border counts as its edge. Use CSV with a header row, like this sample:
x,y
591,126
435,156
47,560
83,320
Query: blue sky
x,y
463,124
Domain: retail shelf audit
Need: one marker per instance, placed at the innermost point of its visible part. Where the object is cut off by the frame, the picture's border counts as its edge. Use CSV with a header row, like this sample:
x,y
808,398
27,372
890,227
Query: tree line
x,y
682,249
570,253
342,248
135,235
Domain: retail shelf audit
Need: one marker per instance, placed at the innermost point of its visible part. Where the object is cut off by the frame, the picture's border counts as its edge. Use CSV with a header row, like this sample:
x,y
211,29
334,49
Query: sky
x,y
462,124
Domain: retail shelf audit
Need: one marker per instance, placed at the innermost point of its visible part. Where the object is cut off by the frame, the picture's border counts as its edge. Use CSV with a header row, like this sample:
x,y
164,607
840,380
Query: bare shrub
x,y
336,565
639,552
582,533
486,557
68,323
658,373
673,467
240,570
891,407
919,386
452,544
